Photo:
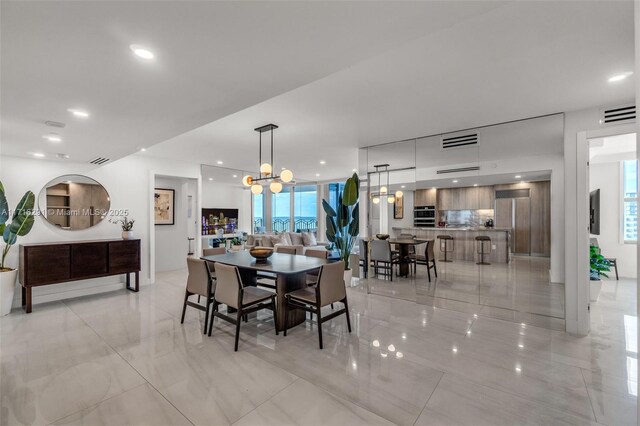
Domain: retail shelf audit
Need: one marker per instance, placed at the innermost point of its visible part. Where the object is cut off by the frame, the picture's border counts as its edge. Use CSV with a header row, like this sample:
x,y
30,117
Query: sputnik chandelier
x,y
266,169
384,190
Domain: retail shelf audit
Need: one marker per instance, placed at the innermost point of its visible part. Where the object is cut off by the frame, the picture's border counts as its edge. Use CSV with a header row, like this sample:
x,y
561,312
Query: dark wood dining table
x,y
290,271
403,245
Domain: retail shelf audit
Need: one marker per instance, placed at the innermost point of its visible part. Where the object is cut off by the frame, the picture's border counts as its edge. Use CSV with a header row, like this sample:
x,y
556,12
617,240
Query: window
x,y
305,202
281,210
258,213
630,196
334,190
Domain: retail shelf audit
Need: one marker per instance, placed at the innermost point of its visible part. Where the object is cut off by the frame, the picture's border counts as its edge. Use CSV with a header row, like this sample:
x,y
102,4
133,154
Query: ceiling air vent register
x,y
459,141
458,170
618,115
99,160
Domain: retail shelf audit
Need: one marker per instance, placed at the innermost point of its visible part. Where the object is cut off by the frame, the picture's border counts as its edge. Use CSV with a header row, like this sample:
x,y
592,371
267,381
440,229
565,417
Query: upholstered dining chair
x,y
214,251
364,257
330,289
312,276
285,249
382,258
231,292
428,258
199,282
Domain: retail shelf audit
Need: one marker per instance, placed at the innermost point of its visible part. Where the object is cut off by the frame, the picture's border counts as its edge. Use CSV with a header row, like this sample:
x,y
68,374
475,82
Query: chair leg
x,y
332,306
198,298
184,306
435,269
319,325
206,315
615,265
286,316
275,315
213,315
346,308
238,322
428,272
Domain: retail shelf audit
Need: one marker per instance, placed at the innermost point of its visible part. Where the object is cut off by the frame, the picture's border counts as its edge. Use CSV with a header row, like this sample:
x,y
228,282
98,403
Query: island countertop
x,y
452,229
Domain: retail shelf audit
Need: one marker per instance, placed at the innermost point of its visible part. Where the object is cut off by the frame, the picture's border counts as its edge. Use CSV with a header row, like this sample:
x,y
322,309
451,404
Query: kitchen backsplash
x,y
466,217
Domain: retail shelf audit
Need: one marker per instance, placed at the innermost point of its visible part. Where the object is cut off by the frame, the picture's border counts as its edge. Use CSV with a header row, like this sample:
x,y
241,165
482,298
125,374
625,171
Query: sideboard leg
x,y
24,295
136,287
28,294
137,281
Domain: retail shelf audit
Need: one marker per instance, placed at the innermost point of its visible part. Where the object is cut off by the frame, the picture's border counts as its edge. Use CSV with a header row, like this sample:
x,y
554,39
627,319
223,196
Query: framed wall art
x,y
164,204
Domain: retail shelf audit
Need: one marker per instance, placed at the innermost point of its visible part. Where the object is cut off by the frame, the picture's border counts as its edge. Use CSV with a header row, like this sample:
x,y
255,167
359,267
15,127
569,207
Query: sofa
x,y
302,241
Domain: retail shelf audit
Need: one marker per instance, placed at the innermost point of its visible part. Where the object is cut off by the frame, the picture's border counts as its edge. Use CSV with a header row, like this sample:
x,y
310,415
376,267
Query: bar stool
x,y
480,241
444,246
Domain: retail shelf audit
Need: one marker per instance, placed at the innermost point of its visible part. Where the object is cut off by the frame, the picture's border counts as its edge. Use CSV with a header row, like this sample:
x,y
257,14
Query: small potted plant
x,y
236,244
599,266
19,226
127,227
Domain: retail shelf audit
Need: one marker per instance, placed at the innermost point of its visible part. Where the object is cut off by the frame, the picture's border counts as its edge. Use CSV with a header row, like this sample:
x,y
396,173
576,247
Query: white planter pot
x,y
127,235
237,247
348,273
594,289
7,288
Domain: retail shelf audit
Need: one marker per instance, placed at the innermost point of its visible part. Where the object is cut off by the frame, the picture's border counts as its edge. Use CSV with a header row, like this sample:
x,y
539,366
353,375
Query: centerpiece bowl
x,y
261,254
382,236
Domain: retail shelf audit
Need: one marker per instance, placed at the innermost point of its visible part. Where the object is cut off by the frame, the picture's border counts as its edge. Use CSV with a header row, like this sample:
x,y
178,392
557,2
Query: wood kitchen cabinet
x,y
468,198
425,197
486,197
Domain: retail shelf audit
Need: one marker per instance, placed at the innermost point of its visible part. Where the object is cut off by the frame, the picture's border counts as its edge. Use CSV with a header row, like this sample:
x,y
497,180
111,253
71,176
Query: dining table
x,y
403,245
290,271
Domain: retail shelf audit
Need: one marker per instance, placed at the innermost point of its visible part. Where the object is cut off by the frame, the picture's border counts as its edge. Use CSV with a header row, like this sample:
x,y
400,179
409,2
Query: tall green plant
x,y
343,223
598,264
21,221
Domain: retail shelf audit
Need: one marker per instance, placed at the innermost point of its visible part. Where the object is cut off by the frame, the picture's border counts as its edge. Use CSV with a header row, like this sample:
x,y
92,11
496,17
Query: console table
x,y
54,263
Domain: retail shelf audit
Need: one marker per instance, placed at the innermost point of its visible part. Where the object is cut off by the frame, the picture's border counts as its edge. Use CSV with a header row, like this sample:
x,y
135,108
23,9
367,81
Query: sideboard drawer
x,y
124,256
88,260
48,264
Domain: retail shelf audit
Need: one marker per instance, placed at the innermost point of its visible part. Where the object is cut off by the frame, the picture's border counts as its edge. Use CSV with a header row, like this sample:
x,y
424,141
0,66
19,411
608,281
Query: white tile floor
x,y
519,291
124,358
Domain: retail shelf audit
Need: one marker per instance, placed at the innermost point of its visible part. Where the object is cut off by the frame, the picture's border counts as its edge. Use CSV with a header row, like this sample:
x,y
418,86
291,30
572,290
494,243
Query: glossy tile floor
x,y
123,358
519,291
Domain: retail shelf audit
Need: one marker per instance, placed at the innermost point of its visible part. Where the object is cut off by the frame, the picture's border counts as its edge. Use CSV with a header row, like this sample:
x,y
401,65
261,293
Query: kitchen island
x,y
464,241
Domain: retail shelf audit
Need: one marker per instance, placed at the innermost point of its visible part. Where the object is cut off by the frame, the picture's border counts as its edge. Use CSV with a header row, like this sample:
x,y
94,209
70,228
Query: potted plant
x,y
343,223
599,266
19,226
236,244
127,227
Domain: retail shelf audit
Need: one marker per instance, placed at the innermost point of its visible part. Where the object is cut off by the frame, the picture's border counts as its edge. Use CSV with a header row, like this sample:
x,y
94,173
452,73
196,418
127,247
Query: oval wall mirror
x,y
74,202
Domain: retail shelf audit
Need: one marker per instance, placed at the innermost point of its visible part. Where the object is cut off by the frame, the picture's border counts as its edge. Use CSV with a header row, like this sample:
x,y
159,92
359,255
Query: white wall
x,y
606,177
129,182
171,241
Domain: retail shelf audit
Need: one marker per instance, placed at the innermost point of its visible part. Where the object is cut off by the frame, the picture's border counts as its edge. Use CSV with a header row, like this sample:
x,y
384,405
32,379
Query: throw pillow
x,y
296,239
278,239
287,237
309,239
265,241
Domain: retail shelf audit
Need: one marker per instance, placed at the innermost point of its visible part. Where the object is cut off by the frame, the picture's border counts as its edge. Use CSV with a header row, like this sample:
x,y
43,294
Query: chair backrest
x,y
228,285
331,286
198,280
428,254
380,250
285,249
363,249
214,251
322,254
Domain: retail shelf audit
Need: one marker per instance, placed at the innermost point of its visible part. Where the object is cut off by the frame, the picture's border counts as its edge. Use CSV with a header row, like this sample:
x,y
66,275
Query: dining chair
x,y
285,250
428,259
330,289
312,276
199,282
214,251
412,249
381,254
364,257
231,292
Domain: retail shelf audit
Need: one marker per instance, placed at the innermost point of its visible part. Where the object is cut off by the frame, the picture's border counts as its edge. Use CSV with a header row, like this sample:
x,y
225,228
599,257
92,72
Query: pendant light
x,y
266,169
384,189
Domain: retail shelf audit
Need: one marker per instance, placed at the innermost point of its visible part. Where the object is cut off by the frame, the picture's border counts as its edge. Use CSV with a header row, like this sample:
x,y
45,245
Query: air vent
x,y
466,140
54,124
458,170
618,114
99,160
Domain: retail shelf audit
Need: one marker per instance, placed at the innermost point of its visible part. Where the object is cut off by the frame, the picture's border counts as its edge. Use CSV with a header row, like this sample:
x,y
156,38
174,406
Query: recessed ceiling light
x,y
403,186
323,162
79,113
210,178
354,170
219,162
455,181
141,51
235,176
317,174
53,137
143,149
518,176
475,184
38,154
619,77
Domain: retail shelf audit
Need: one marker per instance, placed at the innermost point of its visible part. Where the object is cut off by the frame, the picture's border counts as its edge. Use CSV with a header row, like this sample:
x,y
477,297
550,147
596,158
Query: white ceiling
x,y
334,76
212,59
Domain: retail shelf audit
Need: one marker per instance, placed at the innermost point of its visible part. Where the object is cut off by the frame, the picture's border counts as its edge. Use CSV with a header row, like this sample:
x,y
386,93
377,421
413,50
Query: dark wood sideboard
x,y
54,263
